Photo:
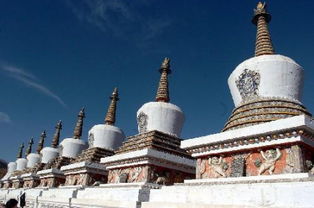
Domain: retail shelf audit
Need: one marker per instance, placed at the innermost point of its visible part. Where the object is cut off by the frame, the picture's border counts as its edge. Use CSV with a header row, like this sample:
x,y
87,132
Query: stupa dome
x,y
11,168
72,147
266,87
107,135
161,115
50,153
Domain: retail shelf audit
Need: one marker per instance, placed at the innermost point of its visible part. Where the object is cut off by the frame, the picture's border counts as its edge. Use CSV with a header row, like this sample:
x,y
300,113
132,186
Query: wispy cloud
x,y
29,80
5,118
121,18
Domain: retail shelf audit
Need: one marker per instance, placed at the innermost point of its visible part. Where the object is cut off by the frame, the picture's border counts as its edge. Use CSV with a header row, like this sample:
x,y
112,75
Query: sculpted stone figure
x,y
270,157
218,166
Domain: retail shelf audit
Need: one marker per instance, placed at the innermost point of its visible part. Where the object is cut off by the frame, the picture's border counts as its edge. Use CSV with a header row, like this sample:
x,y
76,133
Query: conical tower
x,y
56,136
79,124
29,148
163,89
266,87
110,118
261,18
20,152
41,142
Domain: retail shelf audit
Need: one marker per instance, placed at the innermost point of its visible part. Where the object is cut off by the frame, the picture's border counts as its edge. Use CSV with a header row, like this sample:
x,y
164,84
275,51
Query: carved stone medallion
x,y
248,83
91,140
142,122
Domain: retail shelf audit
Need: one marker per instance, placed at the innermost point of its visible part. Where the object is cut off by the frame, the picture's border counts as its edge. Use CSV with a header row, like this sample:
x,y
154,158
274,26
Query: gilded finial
x,y
20,152
56,136
163,91
41,141
79,124
110,118
29,148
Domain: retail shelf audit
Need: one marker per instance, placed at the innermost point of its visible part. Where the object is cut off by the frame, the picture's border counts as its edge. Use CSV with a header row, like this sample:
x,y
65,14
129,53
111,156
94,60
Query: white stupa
x,y
21,163
266,87
161,115
107,135
50,153
72,147
11,169
35,158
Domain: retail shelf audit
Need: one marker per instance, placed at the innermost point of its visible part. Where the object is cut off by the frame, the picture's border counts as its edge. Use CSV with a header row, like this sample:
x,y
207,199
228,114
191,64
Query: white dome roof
x,y
11,169
33,159
72,147
21,164
105,136
48,154
265,76
161,116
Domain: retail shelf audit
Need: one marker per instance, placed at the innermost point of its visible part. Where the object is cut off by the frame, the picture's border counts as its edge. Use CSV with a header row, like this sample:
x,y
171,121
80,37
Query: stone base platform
x,y
280,191
31,180
84,173
51,177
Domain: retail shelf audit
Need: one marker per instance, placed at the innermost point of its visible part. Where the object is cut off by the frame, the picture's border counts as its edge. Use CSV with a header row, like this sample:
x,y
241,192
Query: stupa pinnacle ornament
x,y
20,152
163,91
79,125
261,18
56,136
29,148
41,141
111,113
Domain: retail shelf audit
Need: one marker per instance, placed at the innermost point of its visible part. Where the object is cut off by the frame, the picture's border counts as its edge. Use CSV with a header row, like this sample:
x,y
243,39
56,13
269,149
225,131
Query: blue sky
x,y
57,56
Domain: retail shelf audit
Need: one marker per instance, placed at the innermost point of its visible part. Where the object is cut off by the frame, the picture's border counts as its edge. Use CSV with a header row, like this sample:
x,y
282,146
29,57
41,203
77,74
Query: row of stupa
x,y
262,158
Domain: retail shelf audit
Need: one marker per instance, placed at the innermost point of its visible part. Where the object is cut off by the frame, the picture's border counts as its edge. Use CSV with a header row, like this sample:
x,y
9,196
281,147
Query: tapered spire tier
x,y
41,142
20,152
29,148
111,113
56,136
79,124
261,18
163,91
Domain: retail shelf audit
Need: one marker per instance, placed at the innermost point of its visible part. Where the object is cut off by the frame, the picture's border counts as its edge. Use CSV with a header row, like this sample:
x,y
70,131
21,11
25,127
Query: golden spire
x,y
111,113
261,18
163,91
20,152
41,142
56,136
29,148
79,124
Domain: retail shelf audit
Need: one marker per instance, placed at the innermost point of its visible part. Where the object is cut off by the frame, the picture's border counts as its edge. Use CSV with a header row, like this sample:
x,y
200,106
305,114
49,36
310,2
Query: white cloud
x,y
5,118
29,80
121,18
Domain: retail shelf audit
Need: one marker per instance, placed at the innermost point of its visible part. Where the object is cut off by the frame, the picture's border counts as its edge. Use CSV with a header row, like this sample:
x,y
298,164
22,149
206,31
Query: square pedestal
x,y
278,147
17,182
151,157
7,184
84,173
149,166
31,180
51,178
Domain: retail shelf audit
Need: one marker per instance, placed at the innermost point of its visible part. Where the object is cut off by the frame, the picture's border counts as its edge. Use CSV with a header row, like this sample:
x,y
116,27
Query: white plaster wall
x,y
48,154
274,195
72,147
106,136
164,117
33,159
21,164
280,77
